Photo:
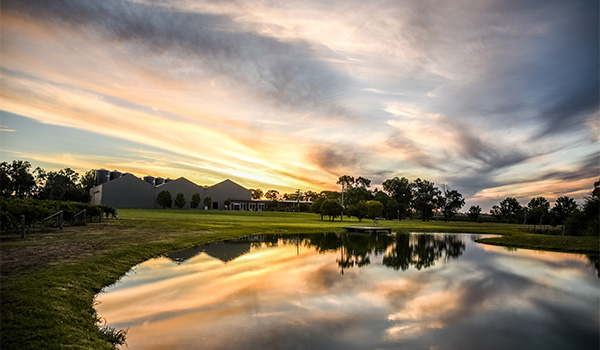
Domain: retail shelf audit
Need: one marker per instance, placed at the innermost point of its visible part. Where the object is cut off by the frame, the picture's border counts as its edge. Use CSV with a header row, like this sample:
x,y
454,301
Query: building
x,y
131,192
126,191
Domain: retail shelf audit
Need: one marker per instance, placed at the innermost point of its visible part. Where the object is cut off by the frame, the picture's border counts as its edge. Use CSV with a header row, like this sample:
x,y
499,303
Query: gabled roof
x,y
227,183
126,178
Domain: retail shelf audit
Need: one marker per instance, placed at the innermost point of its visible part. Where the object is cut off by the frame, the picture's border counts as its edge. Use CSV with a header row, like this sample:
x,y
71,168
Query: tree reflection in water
x,y
420,251
423,251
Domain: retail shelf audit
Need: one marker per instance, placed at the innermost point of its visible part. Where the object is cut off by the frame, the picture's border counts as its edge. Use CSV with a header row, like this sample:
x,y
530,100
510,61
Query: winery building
x,y
128,191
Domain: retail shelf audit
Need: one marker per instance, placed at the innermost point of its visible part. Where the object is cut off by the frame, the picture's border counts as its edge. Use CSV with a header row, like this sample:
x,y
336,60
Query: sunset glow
x,y
494,98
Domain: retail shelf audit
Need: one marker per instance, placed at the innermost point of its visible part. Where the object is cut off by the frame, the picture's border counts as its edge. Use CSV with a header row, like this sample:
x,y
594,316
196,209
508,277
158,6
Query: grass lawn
x,y
48,280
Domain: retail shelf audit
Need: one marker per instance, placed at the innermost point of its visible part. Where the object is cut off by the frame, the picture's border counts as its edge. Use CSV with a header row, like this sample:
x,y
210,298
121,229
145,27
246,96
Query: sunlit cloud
x,y
294,96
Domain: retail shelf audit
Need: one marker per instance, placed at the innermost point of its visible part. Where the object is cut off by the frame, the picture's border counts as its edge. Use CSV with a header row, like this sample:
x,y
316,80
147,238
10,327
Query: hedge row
x,y
35,210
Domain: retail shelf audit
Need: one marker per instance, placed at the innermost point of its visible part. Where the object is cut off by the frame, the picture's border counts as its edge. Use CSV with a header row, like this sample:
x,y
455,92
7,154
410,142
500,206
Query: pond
x,y
354,291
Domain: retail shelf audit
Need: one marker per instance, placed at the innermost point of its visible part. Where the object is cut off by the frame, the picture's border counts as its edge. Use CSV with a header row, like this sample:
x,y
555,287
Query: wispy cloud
x,y
292,95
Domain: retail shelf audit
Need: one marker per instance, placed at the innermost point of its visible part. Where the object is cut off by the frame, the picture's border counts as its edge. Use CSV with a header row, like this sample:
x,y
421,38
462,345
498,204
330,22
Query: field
x,y
48,280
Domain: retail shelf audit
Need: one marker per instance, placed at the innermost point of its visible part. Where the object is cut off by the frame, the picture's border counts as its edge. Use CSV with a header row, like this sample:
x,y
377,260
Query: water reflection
x,y
413,291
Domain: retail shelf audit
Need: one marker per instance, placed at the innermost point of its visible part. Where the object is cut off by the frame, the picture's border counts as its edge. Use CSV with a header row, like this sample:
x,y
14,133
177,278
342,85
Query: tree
x,y
389,204
17,179
450,202
346,181
362,182
256,193
424,197
195,201
510,208
563,208
357,194
360,210
310,195
538,210
590,219
474,212
164,199
400,190
331,208
374,209
180,200
88,180
272,195
495,212
208,202
330,195
316,206
63,185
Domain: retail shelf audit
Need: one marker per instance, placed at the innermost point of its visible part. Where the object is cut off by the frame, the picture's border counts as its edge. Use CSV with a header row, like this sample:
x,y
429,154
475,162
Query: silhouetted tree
x,y
563,208
88,180
400,190
195,201
208,202
424,197
495,212
63,185
591,212
272,195
17,179
450,202
256,193
180,200
510,208
474,212
164,199
538,210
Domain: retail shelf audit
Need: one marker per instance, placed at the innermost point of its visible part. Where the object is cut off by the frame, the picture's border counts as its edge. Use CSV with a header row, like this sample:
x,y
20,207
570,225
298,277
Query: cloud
x,y
4,128
211,45
480,91
336,159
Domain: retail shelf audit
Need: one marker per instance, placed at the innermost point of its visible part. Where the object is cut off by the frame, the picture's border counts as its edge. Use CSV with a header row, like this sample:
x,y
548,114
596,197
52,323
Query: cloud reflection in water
x,y
417,291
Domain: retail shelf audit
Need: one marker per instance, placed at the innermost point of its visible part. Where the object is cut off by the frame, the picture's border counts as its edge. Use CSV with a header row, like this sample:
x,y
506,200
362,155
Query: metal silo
x,y
102,176
149,179
115,174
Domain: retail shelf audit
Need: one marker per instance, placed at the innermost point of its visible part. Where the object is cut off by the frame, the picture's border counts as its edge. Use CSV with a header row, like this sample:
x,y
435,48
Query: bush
x,y
35,210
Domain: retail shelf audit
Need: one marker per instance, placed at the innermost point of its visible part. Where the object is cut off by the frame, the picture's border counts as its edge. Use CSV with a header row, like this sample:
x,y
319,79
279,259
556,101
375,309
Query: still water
x,y
351,291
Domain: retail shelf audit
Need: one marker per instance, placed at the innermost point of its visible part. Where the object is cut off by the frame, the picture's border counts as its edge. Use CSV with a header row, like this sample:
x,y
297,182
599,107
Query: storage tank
x,y
149,179
102,176
115,174
159,181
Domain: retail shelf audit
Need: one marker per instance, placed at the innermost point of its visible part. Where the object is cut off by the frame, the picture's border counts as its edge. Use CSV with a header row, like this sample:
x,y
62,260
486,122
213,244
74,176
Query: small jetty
x,y
368,229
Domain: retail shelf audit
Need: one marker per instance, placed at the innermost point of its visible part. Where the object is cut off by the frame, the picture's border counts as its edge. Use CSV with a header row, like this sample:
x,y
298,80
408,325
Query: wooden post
x,y
60,220
22,226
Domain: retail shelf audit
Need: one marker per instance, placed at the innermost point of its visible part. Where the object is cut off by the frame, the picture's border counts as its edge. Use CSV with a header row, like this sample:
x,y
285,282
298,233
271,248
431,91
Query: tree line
x,y
575,219
20,180
398,199
34,194
401,198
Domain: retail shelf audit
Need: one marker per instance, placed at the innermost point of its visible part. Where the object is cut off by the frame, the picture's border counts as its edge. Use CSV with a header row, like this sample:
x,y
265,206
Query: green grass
x,y
48,280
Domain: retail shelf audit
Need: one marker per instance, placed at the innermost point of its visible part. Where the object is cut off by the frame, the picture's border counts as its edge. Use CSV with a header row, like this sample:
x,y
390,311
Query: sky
x,y
494,98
